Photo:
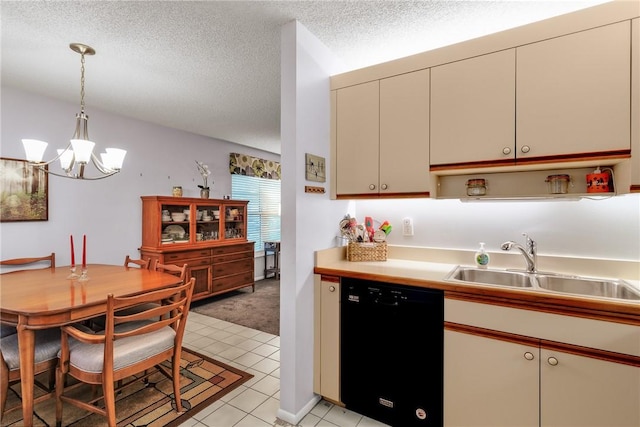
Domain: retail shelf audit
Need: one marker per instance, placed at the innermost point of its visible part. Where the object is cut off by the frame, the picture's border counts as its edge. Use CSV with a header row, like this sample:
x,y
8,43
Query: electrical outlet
x,y
407,227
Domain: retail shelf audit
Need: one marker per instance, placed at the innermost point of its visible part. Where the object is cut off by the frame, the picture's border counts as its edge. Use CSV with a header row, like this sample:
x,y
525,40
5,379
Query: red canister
x,y
598,182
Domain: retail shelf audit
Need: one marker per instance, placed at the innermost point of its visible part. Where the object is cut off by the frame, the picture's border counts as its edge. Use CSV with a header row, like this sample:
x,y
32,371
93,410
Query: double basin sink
x,y
554,283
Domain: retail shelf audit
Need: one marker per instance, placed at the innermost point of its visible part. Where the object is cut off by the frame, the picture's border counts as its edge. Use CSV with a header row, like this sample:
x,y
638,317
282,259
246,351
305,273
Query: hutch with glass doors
x,y
209,235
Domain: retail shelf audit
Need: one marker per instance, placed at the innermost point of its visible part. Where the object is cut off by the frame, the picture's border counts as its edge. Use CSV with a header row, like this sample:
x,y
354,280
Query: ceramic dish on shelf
x,y
175,230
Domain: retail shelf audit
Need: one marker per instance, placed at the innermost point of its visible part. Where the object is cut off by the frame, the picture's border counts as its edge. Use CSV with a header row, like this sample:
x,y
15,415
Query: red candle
x,y
73,255
84,251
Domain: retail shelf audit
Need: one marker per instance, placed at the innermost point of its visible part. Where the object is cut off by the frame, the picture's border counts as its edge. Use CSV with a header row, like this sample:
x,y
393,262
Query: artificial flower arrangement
x,y
205,172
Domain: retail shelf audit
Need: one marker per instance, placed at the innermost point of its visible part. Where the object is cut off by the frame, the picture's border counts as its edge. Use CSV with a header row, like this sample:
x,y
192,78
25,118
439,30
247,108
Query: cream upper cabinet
x,y
404,133
327,337
382,137
473,110
635,105
489,382
572,94
357,138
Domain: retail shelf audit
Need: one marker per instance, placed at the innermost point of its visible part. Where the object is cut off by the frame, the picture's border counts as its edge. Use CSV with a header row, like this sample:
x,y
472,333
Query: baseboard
x,y
296,418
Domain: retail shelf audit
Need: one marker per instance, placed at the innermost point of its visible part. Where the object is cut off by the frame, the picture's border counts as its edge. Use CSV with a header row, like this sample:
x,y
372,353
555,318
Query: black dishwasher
x,y
392,352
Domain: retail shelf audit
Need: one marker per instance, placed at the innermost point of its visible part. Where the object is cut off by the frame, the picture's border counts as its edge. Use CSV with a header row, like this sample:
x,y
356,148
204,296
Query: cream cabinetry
x,y
504,366
473,110
382,137
573,94
635,105
327,337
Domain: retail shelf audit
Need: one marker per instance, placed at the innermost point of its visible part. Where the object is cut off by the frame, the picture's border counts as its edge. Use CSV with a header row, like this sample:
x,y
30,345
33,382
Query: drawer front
x,y
199,262
233,257
227,268
180,256
230,282
243,247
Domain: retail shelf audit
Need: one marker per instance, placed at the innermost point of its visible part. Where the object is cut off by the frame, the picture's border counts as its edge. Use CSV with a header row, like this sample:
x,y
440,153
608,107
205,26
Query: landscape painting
x,y
23,192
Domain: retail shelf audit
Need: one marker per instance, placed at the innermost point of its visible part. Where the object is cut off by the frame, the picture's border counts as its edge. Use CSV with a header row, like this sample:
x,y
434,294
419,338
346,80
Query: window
x,y
263,219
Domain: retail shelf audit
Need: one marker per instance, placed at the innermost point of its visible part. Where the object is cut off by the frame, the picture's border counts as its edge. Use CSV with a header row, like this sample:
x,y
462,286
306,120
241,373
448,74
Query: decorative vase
x,y
204,193
177,191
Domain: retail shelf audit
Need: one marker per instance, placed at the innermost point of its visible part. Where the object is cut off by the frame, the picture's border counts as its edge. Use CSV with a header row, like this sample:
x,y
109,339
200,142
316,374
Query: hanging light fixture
x,y
79,151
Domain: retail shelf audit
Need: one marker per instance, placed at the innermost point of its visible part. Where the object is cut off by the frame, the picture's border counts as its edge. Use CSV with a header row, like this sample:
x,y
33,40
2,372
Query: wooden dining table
x,y
47,298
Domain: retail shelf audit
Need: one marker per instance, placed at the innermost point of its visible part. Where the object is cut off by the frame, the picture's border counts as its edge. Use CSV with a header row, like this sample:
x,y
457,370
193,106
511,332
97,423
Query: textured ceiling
x,y
213,67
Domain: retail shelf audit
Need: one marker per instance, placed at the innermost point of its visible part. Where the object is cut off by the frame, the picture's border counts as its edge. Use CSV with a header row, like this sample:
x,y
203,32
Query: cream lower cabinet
x,y
382,137
326,378
492,382
635,105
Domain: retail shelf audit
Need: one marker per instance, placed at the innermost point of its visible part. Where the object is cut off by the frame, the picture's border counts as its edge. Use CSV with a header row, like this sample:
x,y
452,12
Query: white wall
x,y
608,229
108,211
308,219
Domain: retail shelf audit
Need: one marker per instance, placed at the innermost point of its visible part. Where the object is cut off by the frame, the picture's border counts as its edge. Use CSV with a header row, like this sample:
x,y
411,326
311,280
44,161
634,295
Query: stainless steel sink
x,y
588,286
491,277
558,283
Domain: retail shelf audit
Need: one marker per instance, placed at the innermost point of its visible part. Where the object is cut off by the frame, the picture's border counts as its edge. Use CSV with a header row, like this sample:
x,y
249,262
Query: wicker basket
x,y
367,251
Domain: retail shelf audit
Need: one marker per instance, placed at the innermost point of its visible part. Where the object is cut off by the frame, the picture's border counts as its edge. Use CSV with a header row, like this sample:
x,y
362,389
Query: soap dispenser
x,y
482,257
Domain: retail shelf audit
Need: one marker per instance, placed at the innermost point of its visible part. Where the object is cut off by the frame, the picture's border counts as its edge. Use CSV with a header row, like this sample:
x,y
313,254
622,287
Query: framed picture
x,y
315,168
24,191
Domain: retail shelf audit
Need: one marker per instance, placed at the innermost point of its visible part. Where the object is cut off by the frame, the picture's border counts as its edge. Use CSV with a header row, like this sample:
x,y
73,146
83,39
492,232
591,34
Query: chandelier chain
x,y
82,83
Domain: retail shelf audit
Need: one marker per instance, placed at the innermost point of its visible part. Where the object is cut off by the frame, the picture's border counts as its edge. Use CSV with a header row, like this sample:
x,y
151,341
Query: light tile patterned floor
x,y
256,402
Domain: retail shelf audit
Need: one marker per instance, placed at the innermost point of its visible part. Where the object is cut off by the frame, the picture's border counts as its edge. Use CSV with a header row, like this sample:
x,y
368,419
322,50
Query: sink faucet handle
x,y
530,242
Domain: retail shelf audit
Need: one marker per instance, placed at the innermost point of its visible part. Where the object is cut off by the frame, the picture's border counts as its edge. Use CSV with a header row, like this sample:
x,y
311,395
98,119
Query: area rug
x,y
257,310
204,381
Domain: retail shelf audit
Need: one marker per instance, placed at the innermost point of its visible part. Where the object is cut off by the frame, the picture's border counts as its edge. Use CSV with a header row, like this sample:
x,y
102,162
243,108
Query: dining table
x,y
52,297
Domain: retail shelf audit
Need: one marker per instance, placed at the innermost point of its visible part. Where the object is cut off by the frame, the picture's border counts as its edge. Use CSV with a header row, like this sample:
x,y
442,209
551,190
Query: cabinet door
x,y
473,109
635,105
581,391
488,382
327,339
573,93
357,139
202,273
404,133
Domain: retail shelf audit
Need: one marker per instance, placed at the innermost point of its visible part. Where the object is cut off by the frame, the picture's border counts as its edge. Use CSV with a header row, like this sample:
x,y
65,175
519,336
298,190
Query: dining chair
x,y
130,262
180,271
47,342
47,345
129,345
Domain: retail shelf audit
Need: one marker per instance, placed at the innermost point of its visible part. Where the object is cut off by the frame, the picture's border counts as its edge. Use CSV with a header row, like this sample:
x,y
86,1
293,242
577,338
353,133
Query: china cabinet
x,y
209,235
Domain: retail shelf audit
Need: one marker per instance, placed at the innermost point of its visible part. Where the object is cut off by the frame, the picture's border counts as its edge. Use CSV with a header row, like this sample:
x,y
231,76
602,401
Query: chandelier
x,y
79,152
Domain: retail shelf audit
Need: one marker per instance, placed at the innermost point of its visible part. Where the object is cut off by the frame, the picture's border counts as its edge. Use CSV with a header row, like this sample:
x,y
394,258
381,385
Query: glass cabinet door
x,y
234,222
175,223
207,222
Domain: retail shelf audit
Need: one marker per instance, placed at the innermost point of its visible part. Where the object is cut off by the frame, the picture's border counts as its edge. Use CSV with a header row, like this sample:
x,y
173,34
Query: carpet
x,y
204,381
257,310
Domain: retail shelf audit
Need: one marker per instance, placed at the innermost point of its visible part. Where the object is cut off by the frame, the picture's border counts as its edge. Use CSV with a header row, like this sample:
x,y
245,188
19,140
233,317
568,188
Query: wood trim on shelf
x,y
383,196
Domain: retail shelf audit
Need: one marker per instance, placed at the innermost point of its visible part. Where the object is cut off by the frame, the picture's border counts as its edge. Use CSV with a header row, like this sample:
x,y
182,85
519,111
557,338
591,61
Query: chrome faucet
x,y
529,253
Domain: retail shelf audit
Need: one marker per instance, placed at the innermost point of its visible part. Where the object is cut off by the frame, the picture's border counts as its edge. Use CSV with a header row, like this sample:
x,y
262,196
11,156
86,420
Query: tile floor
x,y
256,402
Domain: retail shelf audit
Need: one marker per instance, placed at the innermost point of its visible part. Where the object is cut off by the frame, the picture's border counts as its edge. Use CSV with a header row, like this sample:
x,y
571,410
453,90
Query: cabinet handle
x,y
372,186
528,355
552,361
525,149
383,186
332,288
506,150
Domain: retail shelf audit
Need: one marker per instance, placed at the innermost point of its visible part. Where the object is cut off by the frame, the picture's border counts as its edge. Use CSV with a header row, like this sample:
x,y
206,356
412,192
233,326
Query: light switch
x,y
407,227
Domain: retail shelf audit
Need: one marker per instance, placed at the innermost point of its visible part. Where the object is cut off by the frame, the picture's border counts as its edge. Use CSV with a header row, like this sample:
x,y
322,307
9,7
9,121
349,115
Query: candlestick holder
x,y
84,276
73,274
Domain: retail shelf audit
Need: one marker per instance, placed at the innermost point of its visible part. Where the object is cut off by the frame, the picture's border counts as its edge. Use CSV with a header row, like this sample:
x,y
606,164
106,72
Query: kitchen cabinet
x,y
473,110
492,382
489,382
327,337
573,95
382,137
211,238
635,105
503,361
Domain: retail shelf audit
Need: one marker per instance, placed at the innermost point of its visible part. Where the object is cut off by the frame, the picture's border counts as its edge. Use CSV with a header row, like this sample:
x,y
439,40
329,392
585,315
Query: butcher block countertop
x,y
429,267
